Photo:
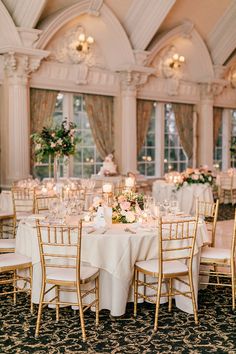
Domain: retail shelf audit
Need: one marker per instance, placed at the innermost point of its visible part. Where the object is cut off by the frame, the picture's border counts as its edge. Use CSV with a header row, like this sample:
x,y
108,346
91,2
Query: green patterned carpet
x,y
216,332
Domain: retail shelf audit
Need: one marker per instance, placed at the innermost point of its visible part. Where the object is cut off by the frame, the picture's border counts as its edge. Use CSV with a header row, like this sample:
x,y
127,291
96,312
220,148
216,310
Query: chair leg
x,y
136,275
40,309
157,303
14,287
233,284
169,295
193,298
97,299
31,295
81,315
57,302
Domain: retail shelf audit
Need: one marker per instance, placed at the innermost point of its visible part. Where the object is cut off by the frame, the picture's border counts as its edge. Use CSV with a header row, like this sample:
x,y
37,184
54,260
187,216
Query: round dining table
x,y
185,195
114,251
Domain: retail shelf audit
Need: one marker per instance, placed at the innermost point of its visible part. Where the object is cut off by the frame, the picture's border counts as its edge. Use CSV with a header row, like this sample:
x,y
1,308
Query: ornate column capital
x,y
22,64
133,77
211,89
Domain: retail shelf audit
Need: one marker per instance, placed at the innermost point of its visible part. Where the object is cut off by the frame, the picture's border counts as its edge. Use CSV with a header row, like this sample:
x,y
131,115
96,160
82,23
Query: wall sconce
x,y
176,61
84,43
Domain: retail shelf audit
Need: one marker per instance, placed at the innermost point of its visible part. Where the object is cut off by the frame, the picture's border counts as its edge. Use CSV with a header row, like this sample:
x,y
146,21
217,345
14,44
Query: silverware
x,y
129,230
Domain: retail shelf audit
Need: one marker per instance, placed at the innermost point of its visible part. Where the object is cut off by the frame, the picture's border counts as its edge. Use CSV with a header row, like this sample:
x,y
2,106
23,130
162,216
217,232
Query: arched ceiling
x,y
145,20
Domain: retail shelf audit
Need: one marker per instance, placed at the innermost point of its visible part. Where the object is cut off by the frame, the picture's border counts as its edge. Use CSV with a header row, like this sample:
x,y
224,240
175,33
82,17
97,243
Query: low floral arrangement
x,y
193,176
127,207
56,141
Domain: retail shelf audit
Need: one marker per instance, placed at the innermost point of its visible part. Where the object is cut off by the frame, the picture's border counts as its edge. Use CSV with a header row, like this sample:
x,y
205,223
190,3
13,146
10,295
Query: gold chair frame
x,y
58,236
7,222
217,264
42,202
209,212
14,277
169,234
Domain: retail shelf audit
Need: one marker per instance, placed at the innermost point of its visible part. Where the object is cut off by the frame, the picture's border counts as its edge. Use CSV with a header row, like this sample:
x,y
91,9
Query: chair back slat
x,y
59,246
209,212
177,239
23,200
43,203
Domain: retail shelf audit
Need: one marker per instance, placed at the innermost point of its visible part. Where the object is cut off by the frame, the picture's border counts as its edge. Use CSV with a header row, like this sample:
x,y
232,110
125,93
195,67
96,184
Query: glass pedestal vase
x,y
56,169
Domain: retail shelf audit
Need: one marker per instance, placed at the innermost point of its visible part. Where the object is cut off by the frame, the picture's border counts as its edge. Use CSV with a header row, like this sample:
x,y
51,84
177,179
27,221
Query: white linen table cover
x,y
6,201
186,195
115,253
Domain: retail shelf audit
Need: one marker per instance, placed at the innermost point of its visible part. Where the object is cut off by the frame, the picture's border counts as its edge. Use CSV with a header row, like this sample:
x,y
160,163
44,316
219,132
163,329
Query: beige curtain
x,y
100,115
42,105
217,121
184,123
144,112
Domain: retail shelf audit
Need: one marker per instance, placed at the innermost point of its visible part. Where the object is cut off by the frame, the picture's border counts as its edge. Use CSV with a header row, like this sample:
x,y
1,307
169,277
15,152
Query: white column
x,y
15,122
18,128
205,128
226,138
129,130
160,141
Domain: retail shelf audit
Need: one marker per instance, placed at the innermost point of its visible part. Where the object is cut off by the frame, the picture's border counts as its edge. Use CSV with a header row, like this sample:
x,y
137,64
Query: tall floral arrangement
x,y
193,176
56,141
127,206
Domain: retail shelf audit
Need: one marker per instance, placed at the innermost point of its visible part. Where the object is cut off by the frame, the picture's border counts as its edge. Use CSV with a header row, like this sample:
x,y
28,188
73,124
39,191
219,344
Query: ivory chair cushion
x,y
7,243
67,274
171,267
13,260
216,253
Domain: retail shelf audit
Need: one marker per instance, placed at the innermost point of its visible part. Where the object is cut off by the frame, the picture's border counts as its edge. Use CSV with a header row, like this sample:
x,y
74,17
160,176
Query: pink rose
x,y
125,205
121,198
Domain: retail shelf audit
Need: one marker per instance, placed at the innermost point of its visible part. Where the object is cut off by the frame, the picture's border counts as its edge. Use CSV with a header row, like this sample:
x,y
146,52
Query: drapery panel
x,y
217,121
100,114
42,105
144,112
184,123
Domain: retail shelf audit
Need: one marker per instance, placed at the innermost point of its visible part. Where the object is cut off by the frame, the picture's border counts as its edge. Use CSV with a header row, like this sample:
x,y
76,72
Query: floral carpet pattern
x,y
177,333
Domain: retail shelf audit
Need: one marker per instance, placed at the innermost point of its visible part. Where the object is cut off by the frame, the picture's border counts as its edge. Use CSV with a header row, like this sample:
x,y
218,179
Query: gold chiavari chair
x,y
60,254
217,260
7,228
10,266
68,194
23,203
209,212
227,188
44,202
176,240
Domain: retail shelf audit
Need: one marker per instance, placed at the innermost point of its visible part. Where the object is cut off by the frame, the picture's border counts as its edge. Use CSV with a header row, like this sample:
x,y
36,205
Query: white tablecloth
x,y
186,195
6,201
115,253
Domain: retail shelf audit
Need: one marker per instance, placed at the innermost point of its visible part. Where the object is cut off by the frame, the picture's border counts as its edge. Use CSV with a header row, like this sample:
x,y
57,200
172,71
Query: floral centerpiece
x,y
56,141
127,207
193,176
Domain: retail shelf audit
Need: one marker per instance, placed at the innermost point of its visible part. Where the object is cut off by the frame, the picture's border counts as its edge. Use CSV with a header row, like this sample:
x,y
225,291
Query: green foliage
x,y
58,141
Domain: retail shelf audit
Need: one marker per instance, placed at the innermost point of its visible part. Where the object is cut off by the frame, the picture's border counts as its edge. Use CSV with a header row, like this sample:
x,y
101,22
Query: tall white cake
x,y
108,167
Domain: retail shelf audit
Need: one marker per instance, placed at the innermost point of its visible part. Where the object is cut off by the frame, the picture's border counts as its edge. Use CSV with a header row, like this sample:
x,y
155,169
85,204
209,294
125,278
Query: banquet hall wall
x,y
119,68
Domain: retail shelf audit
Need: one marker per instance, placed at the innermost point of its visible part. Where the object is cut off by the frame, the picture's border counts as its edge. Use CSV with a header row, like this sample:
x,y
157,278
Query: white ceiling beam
x,y
26,13
144,19
222,39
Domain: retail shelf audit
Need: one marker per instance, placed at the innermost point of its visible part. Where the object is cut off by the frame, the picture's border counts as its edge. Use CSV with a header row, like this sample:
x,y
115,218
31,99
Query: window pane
x,y
147,154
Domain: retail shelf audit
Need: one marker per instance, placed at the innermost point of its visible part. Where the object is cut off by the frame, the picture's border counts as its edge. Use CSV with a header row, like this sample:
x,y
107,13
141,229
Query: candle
x,y
107,188
129,182
44,190
86,217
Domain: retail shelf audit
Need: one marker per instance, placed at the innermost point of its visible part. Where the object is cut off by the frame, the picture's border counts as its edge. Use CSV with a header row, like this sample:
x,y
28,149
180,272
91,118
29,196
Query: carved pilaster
x,y
132,79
